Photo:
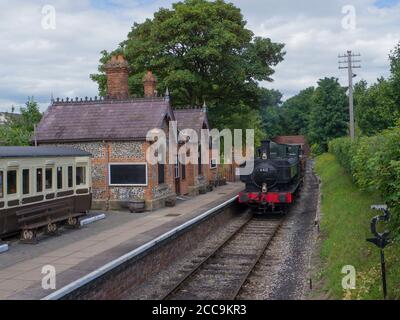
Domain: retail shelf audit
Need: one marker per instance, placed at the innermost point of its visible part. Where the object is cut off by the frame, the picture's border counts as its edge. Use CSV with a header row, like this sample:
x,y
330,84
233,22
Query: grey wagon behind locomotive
x,y
41,188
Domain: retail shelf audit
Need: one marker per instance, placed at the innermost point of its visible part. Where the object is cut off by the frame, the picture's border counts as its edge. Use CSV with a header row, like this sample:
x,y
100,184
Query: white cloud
x,y
39,62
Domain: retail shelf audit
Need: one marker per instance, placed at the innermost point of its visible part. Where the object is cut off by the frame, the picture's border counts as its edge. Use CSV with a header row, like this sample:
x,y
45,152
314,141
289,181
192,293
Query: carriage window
x,y
80,176
25,181
1,185
39,180
49,178
12,182
70,177
59,178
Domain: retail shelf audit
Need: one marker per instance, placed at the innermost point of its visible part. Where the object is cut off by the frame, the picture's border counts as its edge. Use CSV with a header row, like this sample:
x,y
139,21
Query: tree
x,y
329,117
18,130
394,59
376,109
270,102
202,51
296,112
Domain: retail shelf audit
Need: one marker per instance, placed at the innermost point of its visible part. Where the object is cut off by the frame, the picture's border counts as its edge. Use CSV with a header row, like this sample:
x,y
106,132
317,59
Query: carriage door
x,y
177,178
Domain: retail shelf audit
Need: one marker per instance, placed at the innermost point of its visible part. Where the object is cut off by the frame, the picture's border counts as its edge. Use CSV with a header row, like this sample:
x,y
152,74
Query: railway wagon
x,y
42,188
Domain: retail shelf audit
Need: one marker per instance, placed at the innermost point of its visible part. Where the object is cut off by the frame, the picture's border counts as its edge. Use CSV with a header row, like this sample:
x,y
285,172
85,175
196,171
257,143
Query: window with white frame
x,y
1,184
80,176
25,181
128,174
213,163
11,181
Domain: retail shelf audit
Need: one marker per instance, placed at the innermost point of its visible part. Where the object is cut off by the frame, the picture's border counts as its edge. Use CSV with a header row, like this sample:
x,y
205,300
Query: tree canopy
x,y
202,51
18,130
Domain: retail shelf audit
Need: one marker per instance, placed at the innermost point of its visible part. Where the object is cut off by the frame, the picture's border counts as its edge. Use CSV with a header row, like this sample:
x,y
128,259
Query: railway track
x,y
221,274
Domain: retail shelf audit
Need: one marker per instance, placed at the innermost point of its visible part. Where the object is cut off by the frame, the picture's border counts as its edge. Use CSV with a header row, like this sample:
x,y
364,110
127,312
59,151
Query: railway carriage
x,y
42,188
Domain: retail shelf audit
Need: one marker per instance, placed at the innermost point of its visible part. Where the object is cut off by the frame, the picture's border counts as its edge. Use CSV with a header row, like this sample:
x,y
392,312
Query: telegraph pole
x,y
349,63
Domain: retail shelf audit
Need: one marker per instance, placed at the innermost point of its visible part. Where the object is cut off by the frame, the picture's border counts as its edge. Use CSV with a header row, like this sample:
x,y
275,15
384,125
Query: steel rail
x,y
260,254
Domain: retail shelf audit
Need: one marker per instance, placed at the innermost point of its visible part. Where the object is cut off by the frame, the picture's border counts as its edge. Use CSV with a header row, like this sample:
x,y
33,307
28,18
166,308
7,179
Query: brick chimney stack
x,y
150,85
117,77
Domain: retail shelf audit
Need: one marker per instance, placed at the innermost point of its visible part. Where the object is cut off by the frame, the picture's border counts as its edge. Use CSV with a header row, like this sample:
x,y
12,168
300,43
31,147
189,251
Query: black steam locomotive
x,y
276,177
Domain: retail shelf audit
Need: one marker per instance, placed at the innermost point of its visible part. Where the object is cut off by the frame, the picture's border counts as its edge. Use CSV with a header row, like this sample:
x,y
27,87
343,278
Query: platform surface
x,y
75,253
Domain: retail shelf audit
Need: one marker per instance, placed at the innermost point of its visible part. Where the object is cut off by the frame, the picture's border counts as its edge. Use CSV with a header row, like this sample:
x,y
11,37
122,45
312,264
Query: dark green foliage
x,y
202,51
18,130
296,112
329,115
376,109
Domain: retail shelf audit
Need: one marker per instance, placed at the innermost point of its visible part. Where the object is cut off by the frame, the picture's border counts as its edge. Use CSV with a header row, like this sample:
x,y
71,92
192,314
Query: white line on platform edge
x,y
3,248
87,221
115,263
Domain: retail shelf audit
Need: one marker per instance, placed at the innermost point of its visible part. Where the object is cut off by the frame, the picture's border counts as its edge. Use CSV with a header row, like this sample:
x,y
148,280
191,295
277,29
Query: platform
x,y
75,253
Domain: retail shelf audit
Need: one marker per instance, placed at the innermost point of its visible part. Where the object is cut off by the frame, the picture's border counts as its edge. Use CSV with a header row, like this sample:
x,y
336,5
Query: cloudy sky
x,y
39,61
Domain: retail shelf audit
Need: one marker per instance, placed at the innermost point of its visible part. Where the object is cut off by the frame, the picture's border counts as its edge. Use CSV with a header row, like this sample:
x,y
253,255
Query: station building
x,y
114,130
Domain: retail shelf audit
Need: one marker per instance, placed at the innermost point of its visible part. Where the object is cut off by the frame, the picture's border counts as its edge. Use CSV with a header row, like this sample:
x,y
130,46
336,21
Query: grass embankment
x,y
345,225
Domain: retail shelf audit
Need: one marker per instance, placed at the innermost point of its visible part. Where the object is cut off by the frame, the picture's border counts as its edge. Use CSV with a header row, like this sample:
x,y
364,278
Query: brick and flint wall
x,y
108,197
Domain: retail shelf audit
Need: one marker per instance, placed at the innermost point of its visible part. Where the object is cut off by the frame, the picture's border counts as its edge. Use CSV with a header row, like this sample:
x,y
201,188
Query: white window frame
x,y
4,193
127,185
30,182
15,195
211,164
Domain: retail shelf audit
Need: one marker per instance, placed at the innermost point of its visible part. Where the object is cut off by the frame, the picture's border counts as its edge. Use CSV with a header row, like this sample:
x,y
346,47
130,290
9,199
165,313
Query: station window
x,y
128,174
59,178
183,168
161,174
39,180
12,182
80,176
70,177
25,181
1,185
49,178
213,163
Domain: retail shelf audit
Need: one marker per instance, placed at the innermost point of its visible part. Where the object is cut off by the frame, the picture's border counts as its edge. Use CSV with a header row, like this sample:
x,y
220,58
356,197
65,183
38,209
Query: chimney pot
x,y
150,84
117,77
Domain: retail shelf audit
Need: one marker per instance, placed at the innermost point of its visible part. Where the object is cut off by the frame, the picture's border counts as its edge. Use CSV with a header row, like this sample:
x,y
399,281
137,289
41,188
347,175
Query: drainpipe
x,y
107,178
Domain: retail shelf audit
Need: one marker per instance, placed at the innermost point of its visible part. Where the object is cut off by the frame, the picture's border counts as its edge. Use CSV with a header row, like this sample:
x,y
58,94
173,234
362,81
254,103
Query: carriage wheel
x,y
28,236
51,228
73,222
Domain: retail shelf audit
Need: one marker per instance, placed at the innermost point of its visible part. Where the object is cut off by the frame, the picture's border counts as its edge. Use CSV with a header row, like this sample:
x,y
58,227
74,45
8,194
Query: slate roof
x,y
102,120
41,152
191,119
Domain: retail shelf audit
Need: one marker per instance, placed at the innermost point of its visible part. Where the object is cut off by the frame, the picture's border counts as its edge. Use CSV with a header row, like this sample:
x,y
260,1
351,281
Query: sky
x,y
44,54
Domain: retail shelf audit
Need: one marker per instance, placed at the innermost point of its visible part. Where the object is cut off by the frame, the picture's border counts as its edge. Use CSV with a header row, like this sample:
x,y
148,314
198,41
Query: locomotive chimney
x,y
265,150
117,77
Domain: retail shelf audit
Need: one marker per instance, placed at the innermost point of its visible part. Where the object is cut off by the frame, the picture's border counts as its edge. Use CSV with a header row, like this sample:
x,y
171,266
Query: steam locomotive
x,y
276,178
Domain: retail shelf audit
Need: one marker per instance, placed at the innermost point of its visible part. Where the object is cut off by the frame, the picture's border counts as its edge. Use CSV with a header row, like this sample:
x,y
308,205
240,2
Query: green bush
x,y
317,149
374,163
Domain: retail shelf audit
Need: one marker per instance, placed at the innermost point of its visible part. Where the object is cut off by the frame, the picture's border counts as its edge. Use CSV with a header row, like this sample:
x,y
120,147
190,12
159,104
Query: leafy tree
x,y
271,116
329,116
394,59
201,50
296,112
18,130
376,109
